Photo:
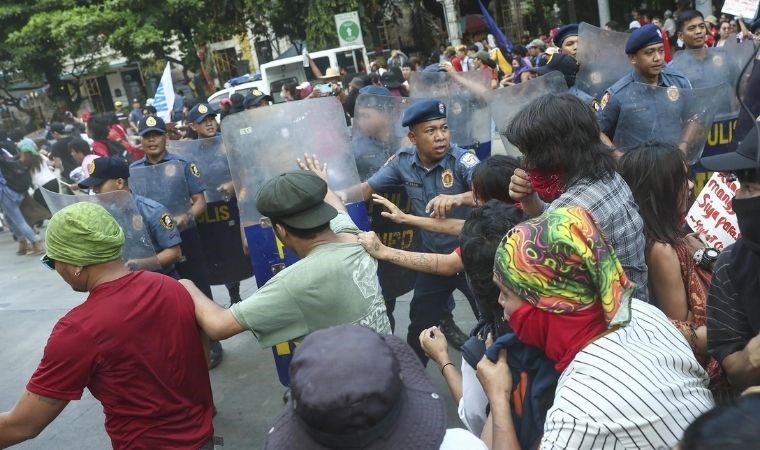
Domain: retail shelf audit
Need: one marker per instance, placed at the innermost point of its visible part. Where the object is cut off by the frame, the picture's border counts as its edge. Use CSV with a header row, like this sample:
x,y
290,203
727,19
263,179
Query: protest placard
x,y
711,215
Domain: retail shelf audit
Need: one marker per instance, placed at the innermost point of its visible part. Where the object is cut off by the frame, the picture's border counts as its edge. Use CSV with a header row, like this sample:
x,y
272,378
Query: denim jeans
x,y
14,218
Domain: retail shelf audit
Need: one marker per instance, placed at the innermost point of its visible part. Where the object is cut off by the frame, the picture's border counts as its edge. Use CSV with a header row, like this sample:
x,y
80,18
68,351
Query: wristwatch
x,y
706,257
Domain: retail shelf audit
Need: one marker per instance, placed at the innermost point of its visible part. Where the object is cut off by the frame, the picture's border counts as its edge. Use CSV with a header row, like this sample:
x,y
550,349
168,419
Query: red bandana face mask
x,y
560,336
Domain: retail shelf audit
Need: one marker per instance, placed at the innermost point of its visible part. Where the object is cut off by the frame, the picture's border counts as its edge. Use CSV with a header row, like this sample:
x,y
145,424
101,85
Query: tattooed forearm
x,y
422,262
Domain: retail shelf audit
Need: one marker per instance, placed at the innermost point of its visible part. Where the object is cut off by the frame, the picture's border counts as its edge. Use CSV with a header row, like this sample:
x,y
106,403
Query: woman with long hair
x,y
658,176
42,175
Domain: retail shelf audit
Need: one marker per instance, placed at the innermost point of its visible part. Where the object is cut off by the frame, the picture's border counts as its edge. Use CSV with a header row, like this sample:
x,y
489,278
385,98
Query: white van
x,y
291,70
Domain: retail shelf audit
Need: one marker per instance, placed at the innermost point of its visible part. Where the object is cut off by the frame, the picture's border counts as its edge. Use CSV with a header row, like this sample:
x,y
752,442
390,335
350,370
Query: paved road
x,y
246,391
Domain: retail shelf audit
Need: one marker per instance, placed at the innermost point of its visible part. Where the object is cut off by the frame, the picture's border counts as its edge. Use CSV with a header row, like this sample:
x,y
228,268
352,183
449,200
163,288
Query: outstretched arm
x,y
218,323
435,263
28,418
445,226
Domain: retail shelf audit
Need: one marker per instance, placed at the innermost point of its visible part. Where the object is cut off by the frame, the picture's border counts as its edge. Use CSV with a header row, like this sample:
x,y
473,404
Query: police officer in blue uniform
x,y
219,228
568,67
152,131
437,178
645,51
112,174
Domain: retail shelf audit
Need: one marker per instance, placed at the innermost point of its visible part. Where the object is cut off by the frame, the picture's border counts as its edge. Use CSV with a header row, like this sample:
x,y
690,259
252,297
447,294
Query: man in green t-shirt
x,y
335,281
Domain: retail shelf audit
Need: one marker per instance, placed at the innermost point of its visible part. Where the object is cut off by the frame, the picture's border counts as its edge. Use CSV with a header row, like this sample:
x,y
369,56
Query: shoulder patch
x,y
167,221
194,170
469,160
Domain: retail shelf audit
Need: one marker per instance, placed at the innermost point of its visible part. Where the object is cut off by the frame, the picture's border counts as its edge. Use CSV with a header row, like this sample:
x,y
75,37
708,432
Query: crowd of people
x,y
603,319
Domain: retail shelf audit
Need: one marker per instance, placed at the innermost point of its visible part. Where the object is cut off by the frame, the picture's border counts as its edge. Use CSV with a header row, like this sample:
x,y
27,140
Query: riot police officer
x,y
112,174
437,177
223,246
152,131
645,51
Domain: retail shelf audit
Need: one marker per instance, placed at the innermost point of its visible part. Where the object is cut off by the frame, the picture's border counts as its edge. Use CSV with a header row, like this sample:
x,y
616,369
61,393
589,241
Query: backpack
x,y
16,175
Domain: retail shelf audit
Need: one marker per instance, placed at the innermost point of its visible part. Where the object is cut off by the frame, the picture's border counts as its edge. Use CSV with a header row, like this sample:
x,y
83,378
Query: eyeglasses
x,y
47,262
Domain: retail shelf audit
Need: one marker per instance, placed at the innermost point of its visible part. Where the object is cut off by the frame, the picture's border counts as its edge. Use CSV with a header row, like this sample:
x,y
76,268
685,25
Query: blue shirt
x,y
136,115
451,175
161,228
192,174
618,95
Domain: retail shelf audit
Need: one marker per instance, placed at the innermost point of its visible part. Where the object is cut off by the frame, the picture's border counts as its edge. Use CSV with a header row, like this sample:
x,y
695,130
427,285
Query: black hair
x,y
302,233
480,237
748,175
560,132
16,135
98,127
291,88
490,180
80,146
685,16
727,427
151,109
412,66
612,25
112,119
657,175
520,51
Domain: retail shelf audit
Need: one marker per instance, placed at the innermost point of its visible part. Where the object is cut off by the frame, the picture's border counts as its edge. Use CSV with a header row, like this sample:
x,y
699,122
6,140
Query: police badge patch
x,y
447,178
469,160
202,109
673,93
91,167
167,221
150,121
194,170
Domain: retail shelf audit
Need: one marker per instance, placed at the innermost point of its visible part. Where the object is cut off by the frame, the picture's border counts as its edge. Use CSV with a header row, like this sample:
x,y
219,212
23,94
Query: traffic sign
x,y
349,29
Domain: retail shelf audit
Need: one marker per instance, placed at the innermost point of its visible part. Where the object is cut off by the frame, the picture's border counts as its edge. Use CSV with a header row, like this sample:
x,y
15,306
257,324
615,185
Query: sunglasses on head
x,y
47,262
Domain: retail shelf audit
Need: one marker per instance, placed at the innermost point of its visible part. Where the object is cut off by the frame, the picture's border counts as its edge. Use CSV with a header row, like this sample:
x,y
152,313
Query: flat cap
x,y
642,37
423,111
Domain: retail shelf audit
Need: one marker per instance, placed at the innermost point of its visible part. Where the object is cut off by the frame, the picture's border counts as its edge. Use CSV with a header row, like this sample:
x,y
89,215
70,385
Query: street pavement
x,y
247,393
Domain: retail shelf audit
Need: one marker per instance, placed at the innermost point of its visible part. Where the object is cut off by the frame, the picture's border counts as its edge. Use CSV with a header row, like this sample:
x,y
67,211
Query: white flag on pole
x,y
164,98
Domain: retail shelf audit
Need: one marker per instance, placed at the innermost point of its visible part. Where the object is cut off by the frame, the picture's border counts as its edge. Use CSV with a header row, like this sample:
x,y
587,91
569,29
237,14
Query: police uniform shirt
x,y
192,174
618,95
451,175
163,232
370,154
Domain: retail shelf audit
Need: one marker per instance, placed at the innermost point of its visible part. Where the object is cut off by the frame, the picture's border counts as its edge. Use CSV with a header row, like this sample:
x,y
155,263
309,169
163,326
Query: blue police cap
x,y
200,112
102,169
375,90
645,36
571,29
151,123
423,111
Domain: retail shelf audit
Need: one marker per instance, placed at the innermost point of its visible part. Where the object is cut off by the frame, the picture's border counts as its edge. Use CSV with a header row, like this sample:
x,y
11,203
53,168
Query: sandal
x,y
37,249
23,247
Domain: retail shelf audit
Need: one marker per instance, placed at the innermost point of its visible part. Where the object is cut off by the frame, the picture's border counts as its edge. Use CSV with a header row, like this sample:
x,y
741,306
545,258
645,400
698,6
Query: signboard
x,y
711,215
744,8
349,30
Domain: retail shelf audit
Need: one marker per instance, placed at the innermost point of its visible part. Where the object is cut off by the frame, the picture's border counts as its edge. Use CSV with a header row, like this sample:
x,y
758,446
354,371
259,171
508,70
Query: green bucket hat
x,y
84,234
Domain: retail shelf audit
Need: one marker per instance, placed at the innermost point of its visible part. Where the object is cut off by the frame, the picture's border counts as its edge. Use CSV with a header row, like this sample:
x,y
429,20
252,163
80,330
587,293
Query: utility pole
x,y
704,6
451,14
604,12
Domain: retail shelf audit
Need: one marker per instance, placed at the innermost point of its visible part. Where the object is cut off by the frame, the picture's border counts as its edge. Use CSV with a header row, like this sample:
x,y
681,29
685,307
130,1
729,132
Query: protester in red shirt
x,y
133,343
451,55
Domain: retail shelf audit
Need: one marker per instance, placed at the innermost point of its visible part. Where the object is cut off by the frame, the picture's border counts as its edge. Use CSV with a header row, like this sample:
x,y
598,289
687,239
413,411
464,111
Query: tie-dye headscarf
x,y
560,263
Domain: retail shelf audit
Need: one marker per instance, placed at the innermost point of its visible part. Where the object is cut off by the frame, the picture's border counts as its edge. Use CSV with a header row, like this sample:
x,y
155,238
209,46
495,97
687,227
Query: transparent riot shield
x,y
138,252
707,68
602,59
166,184
265,142
681,117
467,96
210,156
219,226
509,101
376,135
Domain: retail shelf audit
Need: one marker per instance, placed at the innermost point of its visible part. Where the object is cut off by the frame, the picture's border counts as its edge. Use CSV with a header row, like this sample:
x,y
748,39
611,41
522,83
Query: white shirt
x,y
472,405
459,439
42,176
637,387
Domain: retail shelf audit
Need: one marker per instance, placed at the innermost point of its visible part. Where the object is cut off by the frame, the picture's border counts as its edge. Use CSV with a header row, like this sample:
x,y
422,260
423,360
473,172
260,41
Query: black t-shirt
x,y
60,149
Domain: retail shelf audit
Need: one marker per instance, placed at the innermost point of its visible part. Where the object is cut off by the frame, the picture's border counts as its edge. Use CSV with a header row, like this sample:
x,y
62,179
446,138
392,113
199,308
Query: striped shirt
x,y
637,387
610,202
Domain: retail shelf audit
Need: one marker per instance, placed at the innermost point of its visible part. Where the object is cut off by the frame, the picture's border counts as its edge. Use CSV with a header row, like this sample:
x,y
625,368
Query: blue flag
x,y
502,41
